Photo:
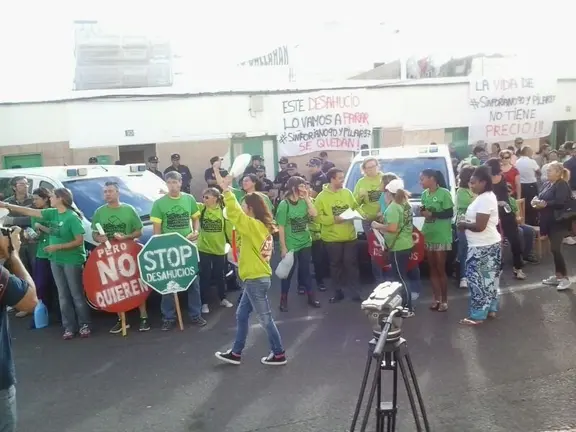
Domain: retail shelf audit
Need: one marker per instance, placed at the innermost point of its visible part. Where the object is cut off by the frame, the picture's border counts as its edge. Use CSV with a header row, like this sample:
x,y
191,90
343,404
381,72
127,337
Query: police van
x,y
138,187
407,162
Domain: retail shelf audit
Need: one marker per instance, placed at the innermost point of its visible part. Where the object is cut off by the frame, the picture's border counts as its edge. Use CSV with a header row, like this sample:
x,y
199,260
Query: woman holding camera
x,y
484,260
67,256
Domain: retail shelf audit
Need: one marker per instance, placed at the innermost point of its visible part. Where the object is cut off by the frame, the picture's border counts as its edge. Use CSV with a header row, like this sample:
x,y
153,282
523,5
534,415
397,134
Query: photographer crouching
x,y
17,290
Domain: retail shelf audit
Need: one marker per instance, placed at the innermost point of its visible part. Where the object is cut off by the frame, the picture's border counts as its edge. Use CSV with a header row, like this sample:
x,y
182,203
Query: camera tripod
x,y
389,355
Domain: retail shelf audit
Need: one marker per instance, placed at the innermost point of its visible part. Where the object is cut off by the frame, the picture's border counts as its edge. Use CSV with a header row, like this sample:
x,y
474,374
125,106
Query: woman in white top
x,y
529,174
484,260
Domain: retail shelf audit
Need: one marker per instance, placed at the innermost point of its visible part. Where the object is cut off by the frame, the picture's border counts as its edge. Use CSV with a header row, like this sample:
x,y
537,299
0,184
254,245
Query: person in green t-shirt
x,y
464,197
215,233
45,285
367,192
121,222
67,255
397,229
438,209
251,184
319,254
293,215
178,212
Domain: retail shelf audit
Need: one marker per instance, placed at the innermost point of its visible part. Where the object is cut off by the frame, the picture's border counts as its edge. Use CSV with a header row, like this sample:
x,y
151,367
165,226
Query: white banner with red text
x,y
502,109
331,120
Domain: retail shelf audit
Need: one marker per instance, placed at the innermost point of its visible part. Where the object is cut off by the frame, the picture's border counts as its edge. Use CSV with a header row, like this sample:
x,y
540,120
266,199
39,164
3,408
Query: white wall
x,y
99,123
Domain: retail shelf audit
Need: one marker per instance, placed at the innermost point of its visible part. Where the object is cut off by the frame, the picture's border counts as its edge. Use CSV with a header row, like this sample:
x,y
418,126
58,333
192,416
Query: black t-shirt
x,y
209,174
281,178
317,181
12,290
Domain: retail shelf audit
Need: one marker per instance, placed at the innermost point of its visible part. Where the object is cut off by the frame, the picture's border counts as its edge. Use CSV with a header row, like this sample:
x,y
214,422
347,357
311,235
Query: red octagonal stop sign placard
x,y
112,279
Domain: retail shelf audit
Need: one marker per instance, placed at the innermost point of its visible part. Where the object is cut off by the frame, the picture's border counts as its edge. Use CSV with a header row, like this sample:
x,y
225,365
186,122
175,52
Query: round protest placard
x,y
112,279
381,257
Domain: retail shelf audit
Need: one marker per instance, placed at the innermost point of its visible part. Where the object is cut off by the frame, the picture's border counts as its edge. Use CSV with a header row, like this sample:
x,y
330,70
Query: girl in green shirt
x,y
464,197
212,240
45,286
67,256
438,209
293,215
397,229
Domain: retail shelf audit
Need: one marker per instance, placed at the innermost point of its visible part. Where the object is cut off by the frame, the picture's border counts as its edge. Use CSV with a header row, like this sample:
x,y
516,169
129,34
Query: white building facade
x,y
131,127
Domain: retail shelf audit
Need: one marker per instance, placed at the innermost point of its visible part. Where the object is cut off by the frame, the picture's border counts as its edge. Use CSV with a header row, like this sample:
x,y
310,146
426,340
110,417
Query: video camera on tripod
x,y
386,313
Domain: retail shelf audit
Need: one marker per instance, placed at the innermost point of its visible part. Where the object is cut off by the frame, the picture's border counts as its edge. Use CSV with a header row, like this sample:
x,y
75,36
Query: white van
x,y
138,187
407,162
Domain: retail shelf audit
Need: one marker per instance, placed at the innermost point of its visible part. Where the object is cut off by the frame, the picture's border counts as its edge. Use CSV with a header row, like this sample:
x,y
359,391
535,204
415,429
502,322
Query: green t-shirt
x,y
368,200
122,220
266,199
400,215
464,198
294,218
437,231
64,227
43,238
212,237
174,213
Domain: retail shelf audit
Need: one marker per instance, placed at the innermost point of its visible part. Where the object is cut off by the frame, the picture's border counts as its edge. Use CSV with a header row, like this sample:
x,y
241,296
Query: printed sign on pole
x,y
111,277
336,120
168,263
377,252
502,109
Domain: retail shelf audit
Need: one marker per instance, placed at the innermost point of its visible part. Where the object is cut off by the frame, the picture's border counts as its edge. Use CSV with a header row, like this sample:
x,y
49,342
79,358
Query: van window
x,y
137,191
407,169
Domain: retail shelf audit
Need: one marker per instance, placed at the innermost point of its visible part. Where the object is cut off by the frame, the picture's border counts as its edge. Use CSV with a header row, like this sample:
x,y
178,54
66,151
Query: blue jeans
x,y
168,306
462,253
8,410
409,278
302,260
527,234
73,306
377,271
255,298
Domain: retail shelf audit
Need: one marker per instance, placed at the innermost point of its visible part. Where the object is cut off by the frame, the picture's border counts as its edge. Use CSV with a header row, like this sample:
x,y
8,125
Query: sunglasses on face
x,y
505,157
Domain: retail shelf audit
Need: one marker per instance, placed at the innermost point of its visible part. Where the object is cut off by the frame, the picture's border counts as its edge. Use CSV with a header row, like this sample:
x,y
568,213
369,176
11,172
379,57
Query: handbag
x,y
568,212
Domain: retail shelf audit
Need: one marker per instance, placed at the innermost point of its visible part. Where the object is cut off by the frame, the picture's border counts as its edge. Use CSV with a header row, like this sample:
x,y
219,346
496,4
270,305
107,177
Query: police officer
x,y
254,164
282,176
266,185
209,173
153,166
317,177
183,170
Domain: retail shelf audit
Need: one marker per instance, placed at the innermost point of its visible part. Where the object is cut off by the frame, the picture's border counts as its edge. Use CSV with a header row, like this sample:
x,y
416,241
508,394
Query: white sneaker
x,y
205,309
519,274
463,283
226,303
9,309
564,284
21,314
569,241
552,280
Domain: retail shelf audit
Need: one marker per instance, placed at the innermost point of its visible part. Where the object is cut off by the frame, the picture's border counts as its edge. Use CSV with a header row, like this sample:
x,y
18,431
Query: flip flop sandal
x,y
443,307
435,306
470,322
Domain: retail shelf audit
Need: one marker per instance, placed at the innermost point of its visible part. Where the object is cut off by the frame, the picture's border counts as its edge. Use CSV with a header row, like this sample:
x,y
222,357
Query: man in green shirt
x,y
174,212
121,222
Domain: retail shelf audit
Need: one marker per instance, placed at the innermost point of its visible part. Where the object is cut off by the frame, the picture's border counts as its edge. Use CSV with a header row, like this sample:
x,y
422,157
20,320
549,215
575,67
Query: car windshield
x,y
407,169
140,193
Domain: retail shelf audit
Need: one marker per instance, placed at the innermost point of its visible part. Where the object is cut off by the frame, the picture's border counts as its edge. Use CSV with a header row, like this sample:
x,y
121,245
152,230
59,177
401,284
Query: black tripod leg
x,y
400,362
375,381
362,390
418,392
392,419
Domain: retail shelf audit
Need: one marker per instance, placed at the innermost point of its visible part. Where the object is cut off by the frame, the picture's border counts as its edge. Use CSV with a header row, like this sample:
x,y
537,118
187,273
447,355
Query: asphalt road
x,y
515,373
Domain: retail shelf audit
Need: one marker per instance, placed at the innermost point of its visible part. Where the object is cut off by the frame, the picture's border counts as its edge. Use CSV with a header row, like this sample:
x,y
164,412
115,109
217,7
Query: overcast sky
x,y
335,37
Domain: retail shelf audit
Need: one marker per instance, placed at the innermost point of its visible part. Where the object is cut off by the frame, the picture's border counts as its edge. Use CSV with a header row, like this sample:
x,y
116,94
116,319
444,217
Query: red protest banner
x,y
112,279
381,257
